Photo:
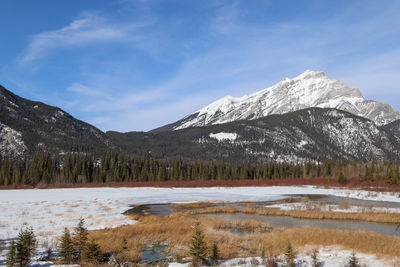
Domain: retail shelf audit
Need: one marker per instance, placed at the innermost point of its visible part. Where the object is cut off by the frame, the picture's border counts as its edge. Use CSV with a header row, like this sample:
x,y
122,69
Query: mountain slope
x,y
28,126
308,134
394,127
310,89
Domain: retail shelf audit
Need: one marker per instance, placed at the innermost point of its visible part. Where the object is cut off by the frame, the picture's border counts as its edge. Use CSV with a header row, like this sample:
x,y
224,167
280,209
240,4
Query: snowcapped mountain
x,y
309,89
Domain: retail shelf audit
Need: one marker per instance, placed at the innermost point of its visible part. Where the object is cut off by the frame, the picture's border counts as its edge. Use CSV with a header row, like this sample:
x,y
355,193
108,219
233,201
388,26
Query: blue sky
x,y
136,65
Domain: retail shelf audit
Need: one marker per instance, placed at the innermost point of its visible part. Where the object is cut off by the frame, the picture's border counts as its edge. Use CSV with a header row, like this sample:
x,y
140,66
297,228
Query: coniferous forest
x,y
44,168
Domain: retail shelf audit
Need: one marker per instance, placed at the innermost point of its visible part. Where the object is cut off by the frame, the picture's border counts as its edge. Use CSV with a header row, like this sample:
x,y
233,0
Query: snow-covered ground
x,y
331,207
331,256
48,211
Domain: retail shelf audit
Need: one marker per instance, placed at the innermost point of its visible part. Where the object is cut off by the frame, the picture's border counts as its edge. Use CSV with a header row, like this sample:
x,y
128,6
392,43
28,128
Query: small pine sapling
x,y
91,253
25,247
290,256
66,247
353,261
215,254
80,239
198,247
315,258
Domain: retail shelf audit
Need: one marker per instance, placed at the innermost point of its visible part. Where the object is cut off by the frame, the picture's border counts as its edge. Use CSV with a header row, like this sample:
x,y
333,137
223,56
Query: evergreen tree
x,y
290,256
214,254
25,247
80,239
65,247
11,255
315,261
91,253
353,261
198,247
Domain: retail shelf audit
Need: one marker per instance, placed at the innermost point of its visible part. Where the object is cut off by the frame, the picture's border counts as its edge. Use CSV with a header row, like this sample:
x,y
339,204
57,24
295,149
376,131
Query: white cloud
x,y
89,28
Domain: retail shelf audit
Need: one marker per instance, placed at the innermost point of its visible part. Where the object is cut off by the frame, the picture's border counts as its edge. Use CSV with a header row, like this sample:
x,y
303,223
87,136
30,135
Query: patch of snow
x,y
224,136
331,207
331,256
302,143
13,104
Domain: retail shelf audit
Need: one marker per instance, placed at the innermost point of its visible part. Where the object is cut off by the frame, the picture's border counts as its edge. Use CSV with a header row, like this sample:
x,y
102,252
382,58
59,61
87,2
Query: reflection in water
x,y
286,221
274,221
154,253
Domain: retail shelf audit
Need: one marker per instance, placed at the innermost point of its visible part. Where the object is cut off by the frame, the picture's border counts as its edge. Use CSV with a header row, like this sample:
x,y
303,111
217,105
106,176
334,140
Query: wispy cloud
x,y
86,91
87,29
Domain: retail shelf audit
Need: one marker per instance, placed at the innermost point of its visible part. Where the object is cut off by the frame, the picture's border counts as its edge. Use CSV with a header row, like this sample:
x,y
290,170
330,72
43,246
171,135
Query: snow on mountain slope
x,y
310,89
11,143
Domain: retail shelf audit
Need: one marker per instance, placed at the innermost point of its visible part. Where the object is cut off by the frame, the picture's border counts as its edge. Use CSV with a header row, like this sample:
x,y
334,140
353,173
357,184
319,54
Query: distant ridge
x,y
28,126
307,134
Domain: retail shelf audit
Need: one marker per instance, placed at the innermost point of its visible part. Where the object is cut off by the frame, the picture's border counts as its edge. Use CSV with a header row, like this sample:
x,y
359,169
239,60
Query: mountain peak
x,y
309,89
308,74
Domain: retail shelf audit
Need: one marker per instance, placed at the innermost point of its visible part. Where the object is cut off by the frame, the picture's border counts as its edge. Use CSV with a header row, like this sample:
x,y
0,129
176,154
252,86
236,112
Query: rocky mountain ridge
x,y
309,89
308,134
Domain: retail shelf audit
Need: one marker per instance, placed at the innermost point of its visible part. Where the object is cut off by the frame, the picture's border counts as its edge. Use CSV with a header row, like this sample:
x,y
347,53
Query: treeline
x,y
45,168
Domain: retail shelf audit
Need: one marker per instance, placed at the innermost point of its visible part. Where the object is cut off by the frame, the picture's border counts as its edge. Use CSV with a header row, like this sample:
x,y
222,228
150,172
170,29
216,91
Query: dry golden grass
x,y
380,217
175,230
247,225
214,210
195,205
